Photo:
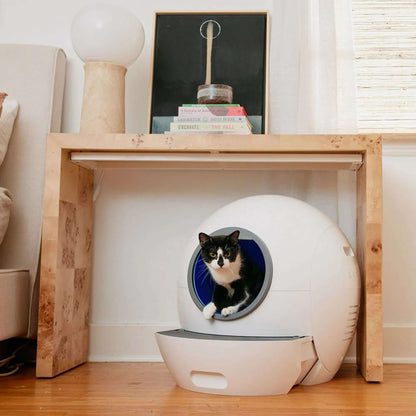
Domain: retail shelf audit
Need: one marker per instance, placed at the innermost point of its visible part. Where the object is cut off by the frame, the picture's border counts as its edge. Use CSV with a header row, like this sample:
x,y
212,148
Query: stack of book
x,y
210,119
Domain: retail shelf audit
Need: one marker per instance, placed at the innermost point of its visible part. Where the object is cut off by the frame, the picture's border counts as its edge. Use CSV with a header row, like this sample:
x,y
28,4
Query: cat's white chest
x,y
226,275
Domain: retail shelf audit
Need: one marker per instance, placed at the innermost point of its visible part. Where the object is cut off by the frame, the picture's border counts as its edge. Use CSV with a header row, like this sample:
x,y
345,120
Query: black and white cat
x,y
237,281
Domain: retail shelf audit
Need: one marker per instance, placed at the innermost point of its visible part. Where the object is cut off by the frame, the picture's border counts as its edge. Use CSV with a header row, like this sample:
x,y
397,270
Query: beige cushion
x,y
5,204
33,75
8,115
14,303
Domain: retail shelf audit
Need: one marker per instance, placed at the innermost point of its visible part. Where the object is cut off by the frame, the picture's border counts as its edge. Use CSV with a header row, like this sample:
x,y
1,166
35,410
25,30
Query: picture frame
x,y
240,58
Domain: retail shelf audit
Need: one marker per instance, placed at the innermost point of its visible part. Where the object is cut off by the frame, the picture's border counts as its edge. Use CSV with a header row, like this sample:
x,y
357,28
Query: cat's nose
x,y
220,261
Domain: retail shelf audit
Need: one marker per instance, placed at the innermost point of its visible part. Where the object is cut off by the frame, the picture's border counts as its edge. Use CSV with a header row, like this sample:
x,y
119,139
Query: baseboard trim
x,y
399,343
133,359
350,360
126,342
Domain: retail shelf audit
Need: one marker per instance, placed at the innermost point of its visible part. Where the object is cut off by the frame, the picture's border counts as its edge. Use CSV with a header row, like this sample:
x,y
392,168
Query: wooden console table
x,y
68,216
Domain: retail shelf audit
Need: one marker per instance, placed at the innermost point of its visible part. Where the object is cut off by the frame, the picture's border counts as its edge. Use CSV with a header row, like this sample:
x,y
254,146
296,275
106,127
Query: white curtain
x,y
312,90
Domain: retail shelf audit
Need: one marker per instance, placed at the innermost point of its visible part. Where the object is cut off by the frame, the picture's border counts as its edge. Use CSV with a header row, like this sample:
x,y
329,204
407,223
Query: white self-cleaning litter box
x,y
301,323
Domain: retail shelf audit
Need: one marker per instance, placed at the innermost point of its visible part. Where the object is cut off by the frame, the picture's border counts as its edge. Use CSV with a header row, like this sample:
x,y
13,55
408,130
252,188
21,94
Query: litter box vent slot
x,y
209,380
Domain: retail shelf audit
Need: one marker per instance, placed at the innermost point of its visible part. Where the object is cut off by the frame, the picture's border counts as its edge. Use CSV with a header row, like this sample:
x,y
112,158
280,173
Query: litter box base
x,y
236,365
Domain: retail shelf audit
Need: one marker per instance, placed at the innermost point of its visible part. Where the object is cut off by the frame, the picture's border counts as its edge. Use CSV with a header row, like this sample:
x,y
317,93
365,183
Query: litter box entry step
x,y
183,333
236,365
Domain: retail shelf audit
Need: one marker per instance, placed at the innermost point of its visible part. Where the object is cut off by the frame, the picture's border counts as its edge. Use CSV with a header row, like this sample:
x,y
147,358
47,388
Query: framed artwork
x,y
239,57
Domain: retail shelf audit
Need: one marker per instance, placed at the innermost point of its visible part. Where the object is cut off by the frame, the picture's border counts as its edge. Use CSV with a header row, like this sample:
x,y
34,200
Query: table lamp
x,y
108,39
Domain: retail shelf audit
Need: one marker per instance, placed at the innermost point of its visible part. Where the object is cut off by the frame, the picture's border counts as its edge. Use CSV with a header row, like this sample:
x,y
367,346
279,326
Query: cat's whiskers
x,y
205,274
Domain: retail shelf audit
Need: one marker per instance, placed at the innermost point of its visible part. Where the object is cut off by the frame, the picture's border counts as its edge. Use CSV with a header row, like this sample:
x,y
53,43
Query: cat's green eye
x,y
213,255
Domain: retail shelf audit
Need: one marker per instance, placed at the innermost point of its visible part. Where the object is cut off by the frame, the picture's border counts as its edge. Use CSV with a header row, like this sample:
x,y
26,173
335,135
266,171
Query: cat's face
x,y
219,252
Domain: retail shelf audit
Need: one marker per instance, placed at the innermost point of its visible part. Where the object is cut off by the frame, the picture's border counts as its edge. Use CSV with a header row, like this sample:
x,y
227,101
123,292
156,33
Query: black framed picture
x,y
238,55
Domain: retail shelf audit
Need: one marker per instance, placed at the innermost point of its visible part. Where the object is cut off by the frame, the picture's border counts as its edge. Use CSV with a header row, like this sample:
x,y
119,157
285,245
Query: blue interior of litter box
x,y
202,281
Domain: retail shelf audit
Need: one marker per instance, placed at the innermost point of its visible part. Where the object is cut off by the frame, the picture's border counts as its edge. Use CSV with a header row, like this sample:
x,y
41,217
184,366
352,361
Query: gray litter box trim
x,y
268,273
183,333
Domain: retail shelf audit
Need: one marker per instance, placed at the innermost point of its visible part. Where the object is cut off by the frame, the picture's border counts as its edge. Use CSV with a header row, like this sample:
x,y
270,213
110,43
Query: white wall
x,y
133,285
399,244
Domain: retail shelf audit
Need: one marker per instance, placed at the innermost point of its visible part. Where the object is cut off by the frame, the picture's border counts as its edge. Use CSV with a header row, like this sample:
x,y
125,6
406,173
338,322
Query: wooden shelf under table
x,y
65,283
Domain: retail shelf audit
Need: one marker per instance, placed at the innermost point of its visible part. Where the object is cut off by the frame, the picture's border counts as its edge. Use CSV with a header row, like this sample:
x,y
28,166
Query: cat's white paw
x,y
209,310
229,310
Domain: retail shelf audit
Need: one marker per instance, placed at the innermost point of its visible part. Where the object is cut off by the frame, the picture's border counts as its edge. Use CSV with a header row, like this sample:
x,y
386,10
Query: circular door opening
x,y
201,285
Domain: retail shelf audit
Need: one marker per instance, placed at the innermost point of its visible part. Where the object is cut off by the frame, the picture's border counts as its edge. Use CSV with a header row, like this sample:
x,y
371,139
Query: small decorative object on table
x,y
215,94
212,93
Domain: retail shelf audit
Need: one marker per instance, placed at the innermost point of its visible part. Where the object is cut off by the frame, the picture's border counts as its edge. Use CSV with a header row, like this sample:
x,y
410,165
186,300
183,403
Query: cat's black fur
x,y
248,277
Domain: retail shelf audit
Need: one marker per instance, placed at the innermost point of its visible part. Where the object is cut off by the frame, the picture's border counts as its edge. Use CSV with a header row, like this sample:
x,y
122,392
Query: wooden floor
x,y
148,389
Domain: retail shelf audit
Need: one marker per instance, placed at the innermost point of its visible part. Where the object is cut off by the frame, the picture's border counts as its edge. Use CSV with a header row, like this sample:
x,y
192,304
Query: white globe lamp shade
x,y
107,33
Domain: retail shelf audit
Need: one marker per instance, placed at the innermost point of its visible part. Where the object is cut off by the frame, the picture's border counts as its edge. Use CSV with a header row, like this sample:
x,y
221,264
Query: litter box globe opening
x,y
201,285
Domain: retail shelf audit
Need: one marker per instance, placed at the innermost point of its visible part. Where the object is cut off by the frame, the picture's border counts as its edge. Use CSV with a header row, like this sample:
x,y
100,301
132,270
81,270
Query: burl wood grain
x,y
65,265
370,254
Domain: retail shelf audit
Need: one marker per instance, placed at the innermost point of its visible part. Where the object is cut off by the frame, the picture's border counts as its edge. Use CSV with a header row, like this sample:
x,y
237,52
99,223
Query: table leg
x,y
370,254
65,264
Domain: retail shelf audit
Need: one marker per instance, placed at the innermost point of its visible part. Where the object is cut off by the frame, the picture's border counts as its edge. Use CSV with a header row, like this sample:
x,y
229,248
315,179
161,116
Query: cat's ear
x,y
234,237
203,238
